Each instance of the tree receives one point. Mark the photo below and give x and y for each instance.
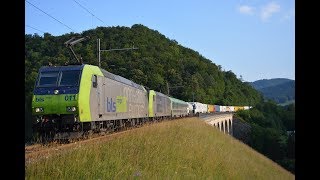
(241, 79)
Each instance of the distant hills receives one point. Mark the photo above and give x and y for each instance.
(281, 90)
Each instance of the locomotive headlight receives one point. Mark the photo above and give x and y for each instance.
(39, 109)
(56, 91)
(71, 108)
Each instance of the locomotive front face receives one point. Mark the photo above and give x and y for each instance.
(56, 91)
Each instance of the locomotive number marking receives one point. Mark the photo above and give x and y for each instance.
(70, 97)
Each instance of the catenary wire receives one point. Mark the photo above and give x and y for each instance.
(50, 16)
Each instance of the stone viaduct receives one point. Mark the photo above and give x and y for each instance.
(222, 121)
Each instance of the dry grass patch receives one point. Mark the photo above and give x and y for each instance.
(181, 149)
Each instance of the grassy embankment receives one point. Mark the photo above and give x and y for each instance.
(181, 149)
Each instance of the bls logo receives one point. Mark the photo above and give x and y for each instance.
(111, 106)
(39, 99)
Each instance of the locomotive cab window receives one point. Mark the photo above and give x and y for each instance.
(69, 78)
(94, 81)
(48, 79)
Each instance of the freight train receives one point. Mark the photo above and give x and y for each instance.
(70, 100)
(73, 100)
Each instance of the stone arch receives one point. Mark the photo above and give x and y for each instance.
(230, 126)
(226, 126)
(222, 127)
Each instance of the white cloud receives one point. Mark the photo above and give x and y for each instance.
(268, 10)
(244, 9)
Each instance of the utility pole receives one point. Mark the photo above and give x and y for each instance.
(99, 50)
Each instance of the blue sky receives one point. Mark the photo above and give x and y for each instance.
(253, 38)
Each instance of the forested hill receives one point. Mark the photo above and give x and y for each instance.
(157, 60)
(281, 90)
(265, 83)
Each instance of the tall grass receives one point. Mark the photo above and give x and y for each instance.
(181, 149)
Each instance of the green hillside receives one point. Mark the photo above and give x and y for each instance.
(158, 61)
(280, 90)
(271, 131)
(264, 83)
(180, 149)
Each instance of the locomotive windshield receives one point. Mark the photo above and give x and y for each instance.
(48, 78)
(56, 78)
(69, 78)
